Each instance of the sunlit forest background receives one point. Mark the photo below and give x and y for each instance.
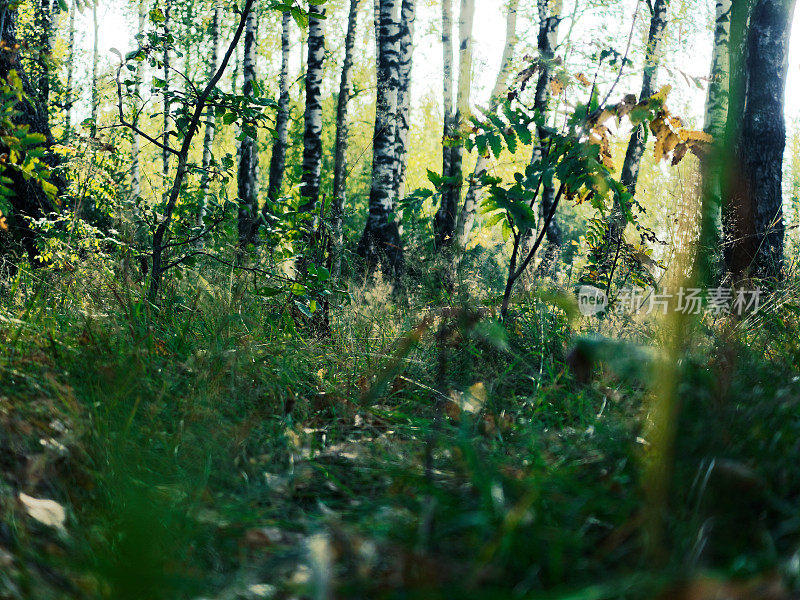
(399, 299)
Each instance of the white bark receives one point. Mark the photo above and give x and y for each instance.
(381, 240)
(342, 130)
(717, 98)
(248, 154)
(473, 198)
(136, 174)
(407, 20)
(312, 135)
(208, 137)
(95, 59)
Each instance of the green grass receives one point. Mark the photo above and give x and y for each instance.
(208, 446)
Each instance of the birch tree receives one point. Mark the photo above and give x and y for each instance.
(136, 173)
(208, 136)
(247, 177)
(277, 164)
(445, 222)
(448, 133)
(381, 239)
(165, 153)
(466, 216)
(719, 80)
(716, 111)
(408, 15)
(69, 94)
(757, 131)
(44, 16)
(342, 131)
(633, 156)
(95, 59)
(549, 21)
(312, 134)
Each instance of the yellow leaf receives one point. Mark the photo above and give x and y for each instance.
(700, 136)
(584, 81)
(478, 391)
(662, 93)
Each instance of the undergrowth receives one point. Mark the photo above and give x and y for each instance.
(210, 448)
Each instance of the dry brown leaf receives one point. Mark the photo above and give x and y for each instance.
(584, 81)
(48, 512)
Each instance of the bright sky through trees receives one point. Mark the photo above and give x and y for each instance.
(489, 35)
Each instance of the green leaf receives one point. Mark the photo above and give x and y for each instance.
(302, 308)
(157, 16)
(496, 144)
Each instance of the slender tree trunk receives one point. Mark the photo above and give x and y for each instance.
(188, 44)
(95, 60)
(237, 66)
(136, 173)
(55, 12)
(44, 17)
(633, 156)
(277, 165)
(342, 130)
(312, 135)
(466, 216)
(70, 70)
(381, 240)
(248, 149)
(448, 134)
(303, 56)
(165, 152)
(445, 221)
(549, 21)
(208, 137)
(162, 233)
(408, 14)
(719, 79)
(753, 201)
(715, 117)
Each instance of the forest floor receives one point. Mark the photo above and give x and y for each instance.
(209, 449)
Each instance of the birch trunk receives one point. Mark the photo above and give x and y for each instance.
(95, 59)
(165, 153)
(277, 165)
(446, 203)
(549, 21)
(754, 196)
(381, 239)
(715, 117)
(408, 14)
(633, 156)
(44, 17)
(446, 215)
(466, 216)
(237, 66)
(717, 98)
(70, 70)
(248, 152)
(208, 136)
(312, 134)
(342, 130)
(136, 173)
